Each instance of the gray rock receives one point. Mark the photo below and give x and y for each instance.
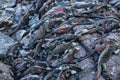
(90, 76)
(88, 72)
(113, 67)
(23, 53)
(86, 65)
(7, 15)
(5, 42)
(27, 40)
(115, 36)
(5, 72)
(6, 3)
(19, 34)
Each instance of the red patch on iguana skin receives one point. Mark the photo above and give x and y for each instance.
(58, 8)
(19, 1)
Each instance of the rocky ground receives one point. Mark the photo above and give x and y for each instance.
(59, 40)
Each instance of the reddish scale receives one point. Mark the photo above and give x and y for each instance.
(62, 29)
(19, 1)
(58, 10)
(100, 48)
(14, 50)
(37, 70)
(63, 77)
(107, 42)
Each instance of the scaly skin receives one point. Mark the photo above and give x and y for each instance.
(104, 57)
